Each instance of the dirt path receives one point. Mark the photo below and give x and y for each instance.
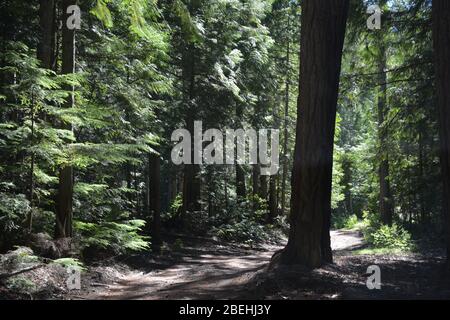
(206, 271)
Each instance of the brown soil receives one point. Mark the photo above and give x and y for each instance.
(206, 269)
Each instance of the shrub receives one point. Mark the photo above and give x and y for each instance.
(21, 285)
(70, 262)
(118, 237)
(393, 237)
(344, 221)
(245, 231)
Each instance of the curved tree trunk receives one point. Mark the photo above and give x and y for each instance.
(322, 37)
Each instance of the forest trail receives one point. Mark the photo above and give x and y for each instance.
(203, 271)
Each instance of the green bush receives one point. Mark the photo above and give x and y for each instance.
(392, 237)
(70, 262)
(344, 221)
(118, 237)
(246, 231)
(21, 285)
(384, 236)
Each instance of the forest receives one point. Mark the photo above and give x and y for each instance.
(224, 149)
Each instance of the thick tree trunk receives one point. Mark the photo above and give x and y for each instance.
(45, 48)
(45, 56)
(385, 201)
(441, 39)
(155, 199)
(64, 197)
(322, 37)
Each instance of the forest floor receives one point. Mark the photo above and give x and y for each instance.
(207, 269)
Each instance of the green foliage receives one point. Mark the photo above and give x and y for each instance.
(344, 222)
(21, 285)
(70, 262)
(145, 68)
(174, 209)
(245, 223)
(13, 210)
(118, 237)
(392, 237)
(178, 245)
(244, 231)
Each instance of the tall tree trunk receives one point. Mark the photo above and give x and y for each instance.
(191, 181)
(273, 205)
(263, 187)
(155, 199)
(286, 117)
(385, 201)
(422, 177)
(45, 56)
(322, 37)
(64, 197)
(32, 165)
(225, 190)
(255, 185)
(441, 39)
(347, 182)
(46, 22)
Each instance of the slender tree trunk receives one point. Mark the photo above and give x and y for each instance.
(155, 199)
(146, 201)
(423, 214)
(32, 164)
(322, 37)
(286, 117)
(241, 190)
(441, 39)
(64, 198)
(347, 182)
(263, 187)
(273, 206)
(225, 191)
(255, 185)
(191, 181)
(385, 201)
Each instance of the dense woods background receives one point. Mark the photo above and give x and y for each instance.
(86, 117)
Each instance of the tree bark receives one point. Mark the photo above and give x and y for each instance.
(46, 44)
(191, 181)
(286, 115)
(322, 36)
(64, 197)
(155, 199)
(263, 187)
(241, 190)
(385, 200)
(441, 40)
(273, 205)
